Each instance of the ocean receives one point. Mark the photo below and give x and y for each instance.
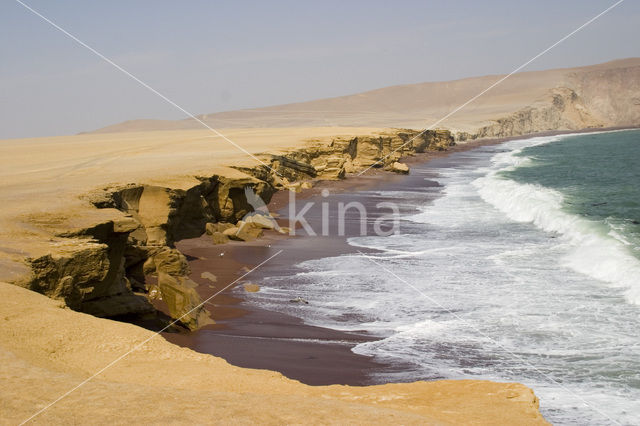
(525, 267)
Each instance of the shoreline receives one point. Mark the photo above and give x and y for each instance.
(312, 355)
(286, 344)
(43, 365)
(103, 245)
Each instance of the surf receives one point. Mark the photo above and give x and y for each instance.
(597, 250)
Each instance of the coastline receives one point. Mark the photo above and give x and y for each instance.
(247, 335)
(209, 387)
(251, 337)
(80, 352)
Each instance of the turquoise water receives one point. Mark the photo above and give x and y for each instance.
(598, 176)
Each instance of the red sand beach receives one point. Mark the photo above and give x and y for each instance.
(249, 336)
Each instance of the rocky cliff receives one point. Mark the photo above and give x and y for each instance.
(560, 109)
(605, 95)
(105, 268)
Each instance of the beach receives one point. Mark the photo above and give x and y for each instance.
(263, 333)
(249, 336)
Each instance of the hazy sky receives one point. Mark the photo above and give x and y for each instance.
(211, 56)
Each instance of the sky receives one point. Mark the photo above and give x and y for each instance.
(210, 56)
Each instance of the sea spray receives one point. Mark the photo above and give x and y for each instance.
(598, 250)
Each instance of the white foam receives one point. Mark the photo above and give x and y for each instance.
(488, 287)
(596, 251)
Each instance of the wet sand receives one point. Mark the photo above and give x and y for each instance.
(248, 336)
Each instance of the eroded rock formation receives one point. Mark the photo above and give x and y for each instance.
(561, 110)
(117, 266)
(88, 271)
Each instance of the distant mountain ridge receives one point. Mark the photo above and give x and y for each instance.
(602, 95)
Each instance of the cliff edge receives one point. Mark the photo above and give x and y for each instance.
(47, 350)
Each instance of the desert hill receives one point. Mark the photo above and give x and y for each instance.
(600, 95)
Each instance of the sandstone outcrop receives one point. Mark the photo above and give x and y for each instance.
(400, 168)
(332, 160)
(184, 303)
(116, 266)
(246, 231)
(216, 231)
(561, 109)
(251, 288)
(171, 270)
(167, 215)
(87, 270)
(213, 227)
(261, 221)
(219, 238)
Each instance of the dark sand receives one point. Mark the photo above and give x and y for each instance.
(248, 336)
